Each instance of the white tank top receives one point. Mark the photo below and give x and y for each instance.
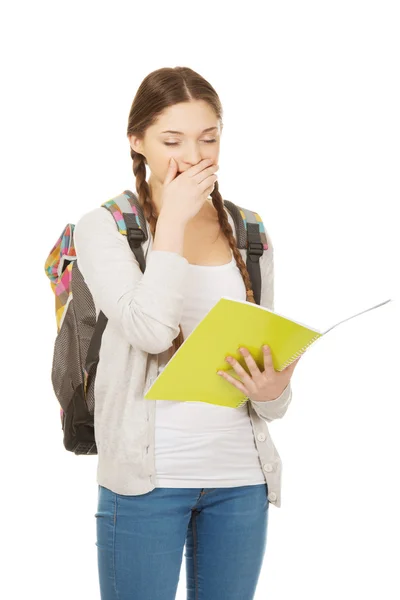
(198, 444)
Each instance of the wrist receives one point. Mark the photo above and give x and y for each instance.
(170, 220)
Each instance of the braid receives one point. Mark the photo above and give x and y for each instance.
(149, 210)
(228, 233)
(143, 190)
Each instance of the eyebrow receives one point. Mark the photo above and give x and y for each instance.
(181, 133)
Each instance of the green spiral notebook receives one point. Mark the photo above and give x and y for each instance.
(191, 373)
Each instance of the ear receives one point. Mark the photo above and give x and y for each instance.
(136, 144)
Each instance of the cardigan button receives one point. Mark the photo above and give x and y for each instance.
(261, 437)
(267, 467)
(272, 496)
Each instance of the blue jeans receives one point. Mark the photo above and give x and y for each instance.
(140, 542)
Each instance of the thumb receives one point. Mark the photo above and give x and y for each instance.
(171, 172)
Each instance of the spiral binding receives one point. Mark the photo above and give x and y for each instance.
(243, 402)
(299, 352)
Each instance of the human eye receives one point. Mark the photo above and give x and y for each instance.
(176, 143)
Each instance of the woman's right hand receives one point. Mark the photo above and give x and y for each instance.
(183, 196)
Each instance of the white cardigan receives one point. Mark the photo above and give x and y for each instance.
(144, 311)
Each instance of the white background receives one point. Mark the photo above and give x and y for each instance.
(311, 100)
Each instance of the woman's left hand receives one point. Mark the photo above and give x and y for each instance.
(259, 386)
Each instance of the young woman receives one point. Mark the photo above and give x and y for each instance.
(175, 475)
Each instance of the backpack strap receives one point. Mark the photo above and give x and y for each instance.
(130, 221)
(250, 234)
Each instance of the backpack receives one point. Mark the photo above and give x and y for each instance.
(79, 333)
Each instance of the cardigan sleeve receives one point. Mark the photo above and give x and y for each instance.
(273, 409)
(147, 306)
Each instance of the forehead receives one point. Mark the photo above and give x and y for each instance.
(188, 118)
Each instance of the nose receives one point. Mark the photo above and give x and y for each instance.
(192, 155)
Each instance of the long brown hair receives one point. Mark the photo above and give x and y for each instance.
(159, 90)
